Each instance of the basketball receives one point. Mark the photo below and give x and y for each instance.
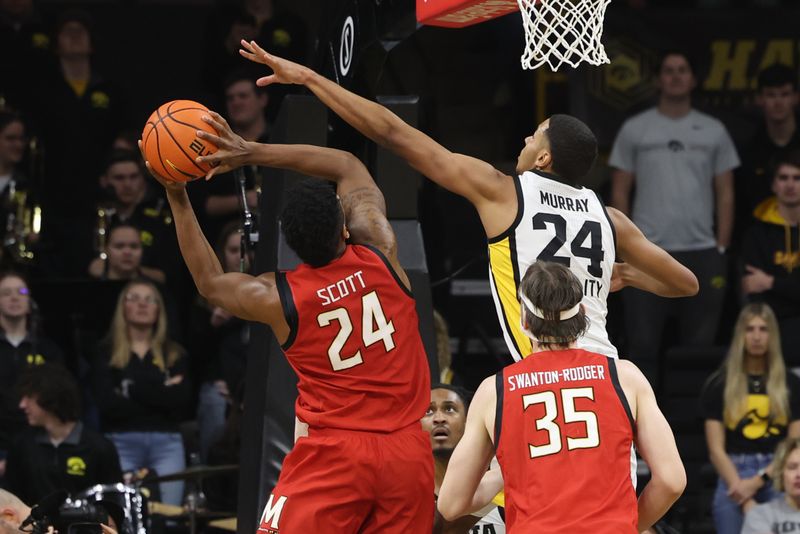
(170, 142)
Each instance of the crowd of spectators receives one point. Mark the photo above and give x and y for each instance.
(84, 226)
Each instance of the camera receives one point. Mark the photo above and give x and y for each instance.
(66, 516)
(80, 517)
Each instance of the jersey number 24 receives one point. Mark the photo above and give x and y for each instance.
(591, 229)
(371, 316)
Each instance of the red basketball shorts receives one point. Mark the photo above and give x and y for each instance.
(341, 481)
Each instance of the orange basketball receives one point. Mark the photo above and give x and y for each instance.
(170, 141)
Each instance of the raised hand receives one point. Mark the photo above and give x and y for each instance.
(284, 71)
(232, 151)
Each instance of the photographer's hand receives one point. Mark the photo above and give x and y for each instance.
(107, 529)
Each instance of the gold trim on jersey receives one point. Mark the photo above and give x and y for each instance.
(500, 499)
(501, 266)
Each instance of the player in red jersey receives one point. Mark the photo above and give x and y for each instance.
(348, 325)
(562, 423)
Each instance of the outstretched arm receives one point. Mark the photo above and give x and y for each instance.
(363, 203)
(490, 191)
(656, 444)
(248, 297)
(649, 267)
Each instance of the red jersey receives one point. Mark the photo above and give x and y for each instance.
(354, 344)
(563, 435)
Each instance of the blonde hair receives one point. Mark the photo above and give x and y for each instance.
(782, 453)
(165, 351)
(733, 368)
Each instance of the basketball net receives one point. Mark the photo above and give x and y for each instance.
(563, 31)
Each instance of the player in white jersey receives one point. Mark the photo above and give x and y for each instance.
(521, 224)
(560, 223)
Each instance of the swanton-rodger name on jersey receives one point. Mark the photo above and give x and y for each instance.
(570, 374)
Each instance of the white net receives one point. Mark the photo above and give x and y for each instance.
(563, 31)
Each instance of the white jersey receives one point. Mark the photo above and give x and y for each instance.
(560, 223)
(491, 523)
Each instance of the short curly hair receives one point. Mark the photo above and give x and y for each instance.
(573, 147)
(54, 389)
(312, 221)
(464, 394)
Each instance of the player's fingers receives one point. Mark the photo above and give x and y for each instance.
(258, 50)
(213, 121)
(266, 80)
(211, 159)
(215, 139)
(252, 51)
(249, 55)
(219, 118)
(166, 182)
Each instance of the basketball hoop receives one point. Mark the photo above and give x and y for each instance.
(563, 31)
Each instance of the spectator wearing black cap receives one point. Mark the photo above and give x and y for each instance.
(58, 452)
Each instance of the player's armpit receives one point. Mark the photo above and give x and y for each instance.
(368, 226)
(365, 217)
(248, 297)
(367, 196)
(653, 269)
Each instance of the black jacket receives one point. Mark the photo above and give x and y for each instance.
(772, 245)
(35, 467)
(135, 399)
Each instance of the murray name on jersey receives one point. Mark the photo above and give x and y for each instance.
(564, 203)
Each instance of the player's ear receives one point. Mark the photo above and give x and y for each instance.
(544, 159)
(345, 232)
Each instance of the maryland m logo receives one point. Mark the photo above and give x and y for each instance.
(271, 517)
